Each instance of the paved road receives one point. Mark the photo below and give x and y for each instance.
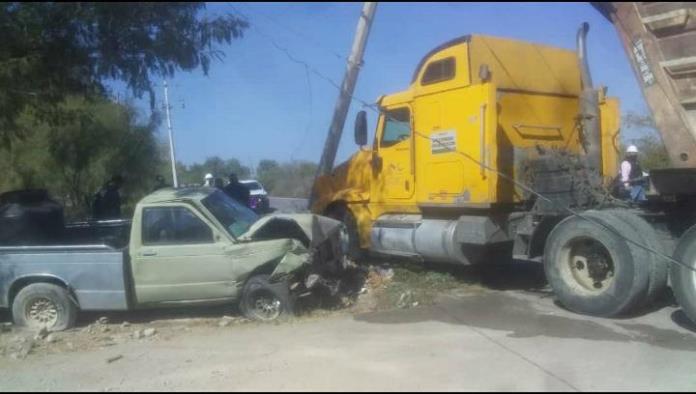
(495, 340)
(288, 205)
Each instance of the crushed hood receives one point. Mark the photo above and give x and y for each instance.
(308, 228)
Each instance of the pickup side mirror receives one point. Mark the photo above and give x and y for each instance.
(361, 128)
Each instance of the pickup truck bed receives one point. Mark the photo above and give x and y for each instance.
(96, 273)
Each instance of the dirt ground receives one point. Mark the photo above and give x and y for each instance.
(383, 286)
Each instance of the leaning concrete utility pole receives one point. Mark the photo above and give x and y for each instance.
(171, 136)
(347, 86)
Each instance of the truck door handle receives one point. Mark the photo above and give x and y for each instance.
(149, 253)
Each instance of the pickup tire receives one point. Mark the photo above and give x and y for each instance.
(42, 305)
(265, 301)
(594, 271)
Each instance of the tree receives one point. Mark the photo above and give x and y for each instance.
(268, 173)
(292, 179)
(75, 159)
(193, 174)
(50, 51)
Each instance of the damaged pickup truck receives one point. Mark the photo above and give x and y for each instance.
(183, 247)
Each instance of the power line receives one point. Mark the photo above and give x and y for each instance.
(298, 34)
(311, 114)
(521, 185)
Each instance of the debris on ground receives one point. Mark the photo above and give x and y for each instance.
(114, 358)
(103, 320)
(41, 334)
(406, 285)
(148, 332)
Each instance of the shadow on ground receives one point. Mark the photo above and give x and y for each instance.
(519, 317)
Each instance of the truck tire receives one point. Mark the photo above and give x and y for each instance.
(265, 301)
(683, 279)
(342, 213)
(44, 305)
(659, 267)
(591, 269)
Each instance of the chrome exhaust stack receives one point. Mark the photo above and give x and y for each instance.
(589, 107)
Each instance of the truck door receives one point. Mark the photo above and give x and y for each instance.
(457, 133)
(179, 257)
(395, 149)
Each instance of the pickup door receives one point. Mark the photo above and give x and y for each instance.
(177, 255)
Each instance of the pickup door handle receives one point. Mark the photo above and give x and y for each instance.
(149, 253)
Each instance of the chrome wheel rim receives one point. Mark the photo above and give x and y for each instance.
(41, 312)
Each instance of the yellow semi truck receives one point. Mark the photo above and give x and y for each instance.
(483, 156)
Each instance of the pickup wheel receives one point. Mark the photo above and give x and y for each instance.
(265, 301)
(594, 271)
(44, 305)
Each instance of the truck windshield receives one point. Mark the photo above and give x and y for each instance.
(234, 216)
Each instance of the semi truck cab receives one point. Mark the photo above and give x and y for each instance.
(429, 185)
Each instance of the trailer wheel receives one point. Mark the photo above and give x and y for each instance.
(265, 301)
(591, 269)
(42, 305)
(659, 269)
(342, 213)
(683, 279)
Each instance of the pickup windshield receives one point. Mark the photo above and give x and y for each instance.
(234, 216)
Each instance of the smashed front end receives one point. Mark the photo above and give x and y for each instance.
(316, 257)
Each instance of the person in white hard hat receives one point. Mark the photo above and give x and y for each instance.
(209, 178)
(632, 176)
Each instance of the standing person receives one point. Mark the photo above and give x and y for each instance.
(159, 183)
(107, 201)
(219, 183)
(632, 177)
(208, 181)
(236, 190)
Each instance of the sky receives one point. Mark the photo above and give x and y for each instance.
(258, 103)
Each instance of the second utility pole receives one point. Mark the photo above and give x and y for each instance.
(171, 136)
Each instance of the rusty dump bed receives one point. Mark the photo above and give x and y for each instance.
(660, 41)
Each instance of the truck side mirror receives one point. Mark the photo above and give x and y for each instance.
(361, 128)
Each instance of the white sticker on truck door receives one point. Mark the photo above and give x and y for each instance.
(443, 142)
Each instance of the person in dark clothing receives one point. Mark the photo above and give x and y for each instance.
(159, 183)
(107, 201)
(219, 183)
(236, 190)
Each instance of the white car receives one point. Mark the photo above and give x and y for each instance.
(258, 196)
